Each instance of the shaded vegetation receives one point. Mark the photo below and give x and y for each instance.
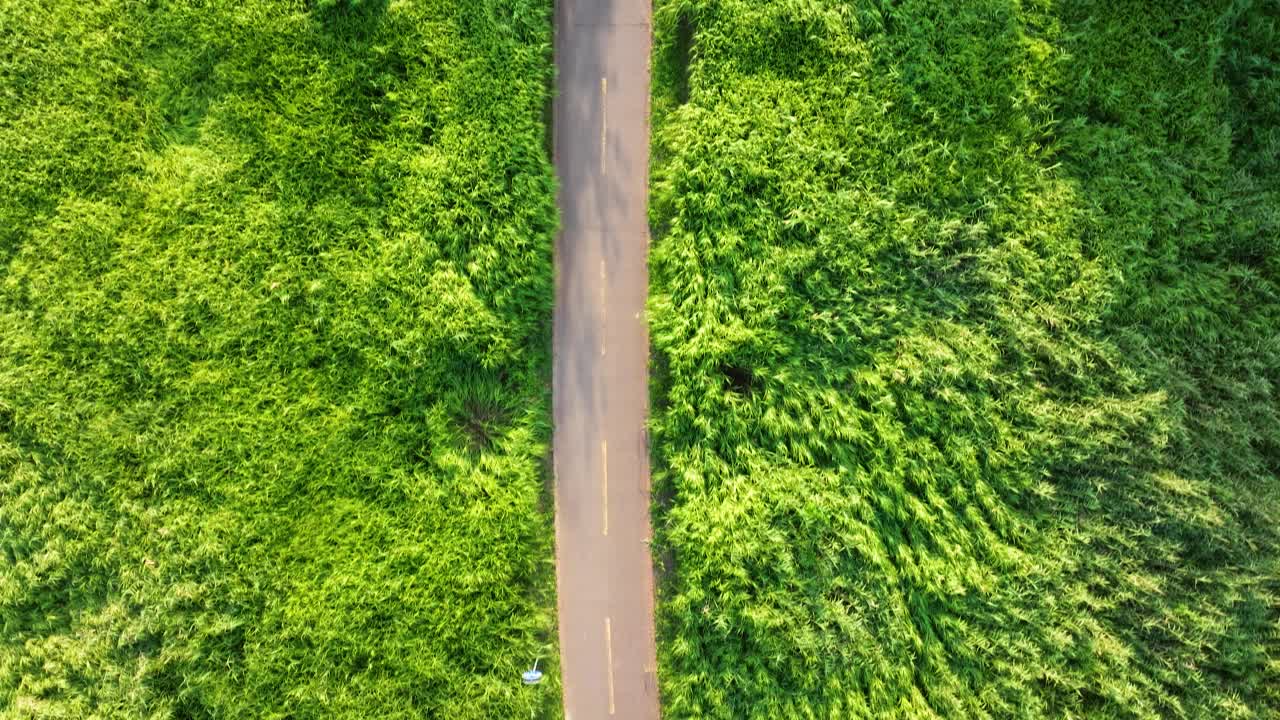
(967, 319)
(275, 288)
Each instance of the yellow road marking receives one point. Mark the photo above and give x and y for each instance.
(604, 483)
(604, 123)
(608, 645)
(604, 310)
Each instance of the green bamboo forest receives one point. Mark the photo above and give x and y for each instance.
(966, 327)
(275, 301)
(965, 372)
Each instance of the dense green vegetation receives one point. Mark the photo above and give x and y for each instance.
(275, 288)
(967, 326)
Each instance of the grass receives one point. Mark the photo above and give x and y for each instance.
(275, 292)
(967, 333)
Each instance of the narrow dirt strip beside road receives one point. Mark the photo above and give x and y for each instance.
(604, 568)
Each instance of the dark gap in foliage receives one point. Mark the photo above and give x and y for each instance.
(482, 421)
(738, 380)
(6, 419)
(683, 50)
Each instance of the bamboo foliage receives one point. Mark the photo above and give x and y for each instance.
(275, 290)
(965, 318)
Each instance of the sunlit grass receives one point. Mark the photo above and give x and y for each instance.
(965, 317)
(275, 289)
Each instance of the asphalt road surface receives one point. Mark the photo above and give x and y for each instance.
(604, 567)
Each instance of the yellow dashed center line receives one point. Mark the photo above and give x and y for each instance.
(604, 485)
(604, 124)
(604, 309)
(608, 646)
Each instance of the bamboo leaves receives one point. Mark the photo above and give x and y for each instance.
(953, 397)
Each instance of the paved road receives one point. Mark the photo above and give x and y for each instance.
(604, 568)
